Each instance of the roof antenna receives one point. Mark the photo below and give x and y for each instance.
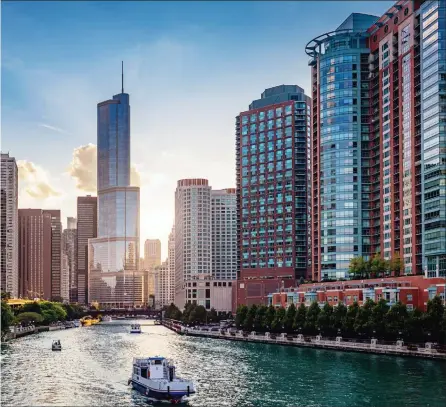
(122, 76)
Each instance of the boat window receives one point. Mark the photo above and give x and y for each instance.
(143, 372)
(157, 362)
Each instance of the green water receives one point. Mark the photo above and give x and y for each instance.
(93, 368)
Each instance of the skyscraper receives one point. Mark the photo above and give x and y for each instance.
(35, 253)
(272, 170)
(56, 254)
(9, 225)
(87, 227)
(113, 257)
(171, 266)
(152, 253)
(192, 237)
(340, 200)
(196, 279)
(224, 234)
(378, 153)
(69, 250)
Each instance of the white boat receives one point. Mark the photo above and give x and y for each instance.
(107, 318)
(155, 377)
(56, 345)
(77, 323)
(135, 329)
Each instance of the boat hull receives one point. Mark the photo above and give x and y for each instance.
(159, 394)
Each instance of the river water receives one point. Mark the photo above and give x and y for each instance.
(96, 362)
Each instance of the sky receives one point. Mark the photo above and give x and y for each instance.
(190, 68)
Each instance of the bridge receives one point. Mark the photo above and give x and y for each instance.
(135, 312)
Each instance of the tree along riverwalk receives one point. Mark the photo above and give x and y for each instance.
(399, 348)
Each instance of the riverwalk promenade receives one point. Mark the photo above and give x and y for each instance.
(427, 350)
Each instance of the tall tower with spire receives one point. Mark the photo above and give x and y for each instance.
(114, 279)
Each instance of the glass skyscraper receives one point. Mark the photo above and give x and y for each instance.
(114, 277)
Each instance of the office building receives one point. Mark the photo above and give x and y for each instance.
(162, 285)
(113, 257)
(65, 278)
(171, 266)
(87, 226)
(272, 170)
(69, 250)
(34, 257)
(378, 141)
(56, 254)
(152, 253)
(9, 269)
(224, 234)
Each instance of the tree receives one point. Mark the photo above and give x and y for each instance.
(300, 317)
(5, 295)
(279, 319)
(324, 319)
(260, 318)
(6, 318)
(240, 316)
(311, 320)
(434, 318)
(200, 314)
(248, 324)
(338, 318)
(269, 318)
(363, 319)
(32, 307)
(415, 325)
(396, 321)
(358, 267)
(187, 310)
(379, 312)
(212, 315)
(301, 281)
(350, 318)
(289, 318)
(28, 317)
(396, 264)
(378, 266)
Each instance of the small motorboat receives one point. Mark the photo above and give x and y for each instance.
(155, 377)
(107, 318)
(135, 329)
(56, 345)
(76, 323)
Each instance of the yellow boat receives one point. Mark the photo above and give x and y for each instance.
(88, 321)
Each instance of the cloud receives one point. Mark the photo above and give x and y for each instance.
(83, 169)
(33, 181)
(41, 191)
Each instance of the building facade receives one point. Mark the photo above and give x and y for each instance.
(113, 257)
(171, 266)
(378, 141)
(35, 259)
(71, 223)
(69, 250)
(56, 254)
(432, 39)
(413, 291)
(9, 269)
(224, 234)
(152, 253)
(162, 286)
(192, 237)
(272, 170)
(340, 200)
(87, 227)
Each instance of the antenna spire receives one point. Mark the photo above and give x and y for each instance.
(122, 76)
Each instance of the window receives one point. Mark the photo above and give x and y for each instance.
(409, 297)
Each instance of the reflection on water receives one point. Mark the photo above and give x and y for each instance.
(96, 362)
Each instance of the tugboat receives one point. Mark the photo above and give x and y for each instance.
(56, 345)
(135, 329)
(155, 377)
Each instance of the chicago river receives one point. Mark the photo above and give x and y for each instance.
(96, 362)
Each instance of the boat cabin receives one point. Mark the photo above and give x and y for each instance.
(153, 368)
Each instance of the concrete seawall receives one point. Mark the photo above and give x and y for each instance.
(398, 349)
